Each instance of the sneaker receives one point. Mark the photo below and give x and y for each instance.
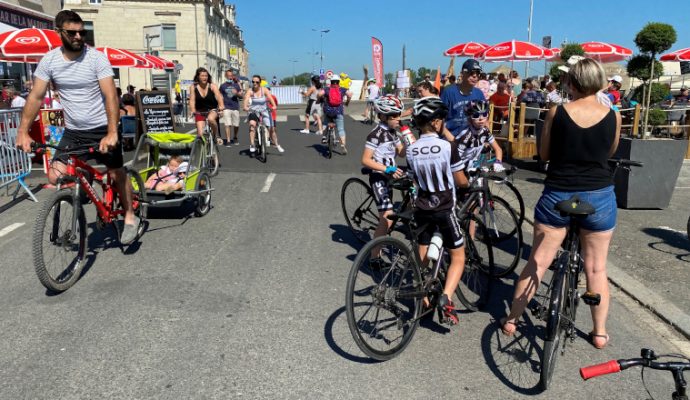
(319, 133)
(280, 148)
(219, 141)
(323, 140)
(305, 131)
(448, 310)
(129, 232)
(252, 149)
(236, 141)
(228, 143)
(343, 150)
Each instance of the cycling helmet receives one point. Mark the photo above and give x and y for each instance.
(477, 107)
(429, 108)
(335, 78)
(388, 105)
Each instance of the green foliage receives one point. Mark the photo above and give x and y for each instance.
(554, 72)
(659, 92)
(640, 67)
(656, 117)
(423, 71)
(389, 82)
(571, 49)
(301, 79)
(655, 38)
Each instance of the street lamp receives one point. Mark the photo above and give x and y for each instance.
(293, 70)
(321, 32)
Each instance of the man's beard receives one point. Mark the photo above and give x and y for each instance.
(76, 46)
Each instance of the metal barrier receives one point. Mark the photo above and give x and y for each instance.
(288, 94)
(15, 165)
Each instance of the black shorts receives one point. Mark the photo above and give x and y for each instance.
(383, 195)
(92, 137)
(444, 221)
(309, 104)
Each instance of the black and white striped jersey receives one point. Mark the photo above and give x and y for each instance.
(432, 161)
(384, 142)
(471, 144)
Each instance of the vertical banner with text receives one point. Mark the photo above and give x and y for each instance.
(377, 60)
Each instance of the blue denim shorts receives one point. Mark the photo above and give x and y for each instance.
(603, 201)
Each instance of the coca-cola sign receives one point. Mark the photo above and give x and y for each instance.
(154, 99)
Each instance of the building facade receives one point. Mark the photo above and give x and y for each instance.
(192, 33)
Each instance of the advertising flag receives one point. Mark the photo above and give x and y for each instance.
(377, 60)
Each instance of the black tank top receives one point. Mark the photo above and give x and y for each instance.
(206, 103)
(579, 156)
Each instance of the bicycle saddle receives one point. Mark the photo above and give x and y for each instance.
(574, 207)
(405, 216)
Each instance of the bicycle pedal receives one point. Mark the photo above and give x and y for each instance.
(591, 299)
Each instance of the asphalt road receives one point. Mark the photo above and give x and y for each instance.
(248, 302)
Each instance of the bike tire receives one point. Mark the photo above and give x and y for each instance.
(203, 200)
(394, 295)
(359, 209)
(214, 159)
(555, 330)
(329, 143)
(506, 236)
(46, 252)
(507, 191)
(474, 288)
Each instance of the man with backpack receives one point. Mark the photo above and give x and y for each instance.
(333, 109)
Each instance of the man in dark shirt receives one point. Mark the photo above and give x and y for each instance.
(232, 92)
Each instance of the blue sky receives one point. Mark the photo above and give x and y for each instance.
(276, 31)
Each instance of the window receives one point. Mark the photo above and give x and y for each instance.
(169, 36)
(88, 26)
(95, 1)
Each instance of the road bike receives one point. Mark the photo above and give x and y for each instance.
(384, 300)
(558, 308)
(648, 359)
(211, 160)
(503, 187)
(59, 242)
(330, 136)
(359, 206)
(261, 139)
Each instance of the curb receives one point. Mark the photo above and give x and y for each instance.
(659, 306)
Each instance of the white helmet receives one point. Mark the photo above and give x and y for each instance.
(388, 105)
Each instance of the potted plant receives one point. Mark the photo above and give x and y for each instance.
(652, 185)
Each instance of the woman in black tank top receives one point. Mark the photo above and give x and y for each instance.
(204, 97)
(577, 140)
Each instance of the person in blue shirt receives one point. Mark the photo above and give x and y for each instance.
(456, 97)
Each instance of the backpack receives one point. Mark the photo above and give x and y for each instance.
(334, 97)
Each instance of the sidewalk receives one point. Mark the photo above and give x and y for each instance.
(649, 257)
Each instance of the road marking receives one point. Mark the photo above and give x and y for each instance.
(269, 181)
(682, 187)
(281, 118)
(668, 228)
(10, 228)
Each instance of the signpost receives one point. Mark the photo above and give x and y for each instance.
(154, 110)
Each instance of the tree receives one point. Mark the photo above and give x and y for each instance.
(554, 72)
(654, 38)
(389, 82)
(658, 93)
(301, 79)
(639, 67)
(422, 72)
(571, 49)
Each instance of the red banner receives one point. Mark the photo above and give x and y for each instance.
(377, 60)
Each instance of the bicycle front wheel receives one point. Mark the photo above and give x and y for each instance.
(59, 248)
(359, 209)
(506, 235)
(555, 330)
(507, 191)
(383, 301)
(474, 288)
(213, 158)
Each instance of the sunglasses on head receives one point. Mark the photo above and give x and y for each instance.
(479, 115)
(73, 33)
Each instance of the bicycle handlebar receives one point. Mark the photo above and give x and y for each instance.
(609, 367)
(647, 360)
(625, 163)
(66, 150)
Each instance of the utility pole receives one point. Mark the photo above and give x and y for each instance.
(293, 70)
(321, 32)
(529, 33)
(403, 68)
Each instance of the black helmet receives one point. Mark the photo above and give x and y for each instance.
(429, 108)
(477, 107)
(471, 65)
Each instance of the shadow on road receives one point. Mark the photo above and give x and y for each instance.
(670, 238)
(19, 198)
(338, 317)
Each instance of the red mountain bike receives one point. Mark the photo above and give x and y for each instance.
(59, 237)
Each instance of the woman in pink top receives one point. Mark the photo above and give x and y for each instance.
(484, 85)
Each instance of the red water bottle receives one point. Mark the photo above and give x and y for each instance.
(406, 135)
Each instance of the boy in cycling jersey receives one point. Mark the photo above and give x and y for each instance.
(380, 150)
(477, 139)
(435, 165)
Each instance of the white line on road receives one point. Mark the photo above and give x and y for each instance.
(682, 187)
(668, 228)
(10, 228)
(269, 181)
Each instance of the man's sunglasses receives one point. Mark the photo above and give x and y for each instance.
(73, 33)
(478, 115)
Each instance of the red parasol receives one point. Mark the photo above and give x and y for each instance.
(29, 43)
(514, 50)
(555, 53)
(605, 52)
(124, 58)
(678, 55)
(158, 62)
(469, 49)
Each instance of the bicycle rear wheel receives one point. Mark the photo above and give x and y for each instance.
(507, 191)
(330, 144)
(58, 250)
(383, 303)
(555, 330)
(359, 208)
(506, 236)
(474, 289)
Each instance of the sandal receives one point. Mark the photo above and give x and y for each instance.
(504, 321)
(605, 336)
